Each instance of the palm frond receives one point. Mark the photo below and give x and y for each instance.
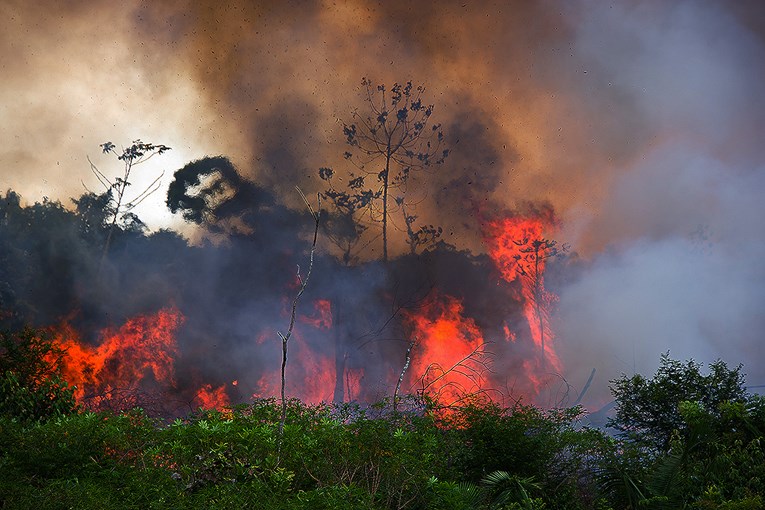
(503, 488)
(662, 483)
(614, 482)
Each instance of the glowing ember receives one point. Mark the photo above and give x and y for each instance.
(446, 360)
(143, 346)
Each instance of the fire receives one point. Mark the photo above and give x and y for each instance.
(208, 397)
(322, 318)
(311, 372)
(510, 336)
(446, 359)
(317, 371)
(507, 241)
(519, 250)
(144, 346)
(352, 383)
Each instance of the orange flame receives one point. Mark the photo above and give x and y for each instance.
(448, 346)
(517, 246)
(144, 345)
(208, 397)
(311, 373)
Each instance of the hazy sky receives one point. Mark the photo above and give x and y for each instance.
(640, 121)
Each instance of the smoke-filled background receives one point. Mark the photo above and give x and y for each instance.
(640, 123)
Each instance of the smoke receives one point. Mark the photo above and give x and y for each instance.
(638, 122)
(675, 239)
(683, 272)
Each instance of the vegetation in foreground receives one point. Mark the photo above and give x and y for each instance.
(683, 440)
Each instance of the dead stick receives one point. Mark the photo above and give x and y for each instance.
(285, 338)
(403, 371)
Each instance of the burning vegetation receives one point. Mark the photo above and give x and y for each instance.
(446, 322)
(169, 326)
(150, 320)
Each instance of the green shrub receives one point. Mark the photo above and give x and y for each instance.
(347, 456)
(31, 387)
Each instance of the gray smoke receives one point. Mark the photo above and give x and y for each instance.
(676, 239)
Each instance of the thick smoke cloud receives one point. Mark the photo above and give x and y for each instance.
(676, 236)
(682, 273)
(640, 123)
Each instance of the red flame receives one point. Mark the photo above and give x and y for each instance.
(352, 383)
(318, 373)
(310, 375)
(446, 358)
(311, 372)
(143, 346)
(322, 319)
(208, 397)
(519, 250)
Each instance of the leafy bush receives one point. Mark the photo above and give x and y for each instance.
(689, 439)
(347, 456)
(648, 410)
(31, 386)
(526, 443)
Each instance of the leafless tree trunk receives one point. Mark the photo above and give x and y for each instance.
(286, 337)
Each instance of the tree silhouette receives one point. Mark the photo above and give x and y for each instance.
(345, 226)
(392, 140)
(423, 236)
(531, 261)
(119, 206)
(211, 192)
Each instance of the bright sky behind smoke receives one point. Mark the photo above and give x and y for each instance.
(640, 122)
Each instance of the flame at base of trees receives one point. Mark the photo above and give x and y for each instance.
(448, 359)
(210, 397)
(127, 366)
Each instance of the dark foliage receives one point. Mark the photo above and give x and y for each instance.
(210, 192)
(648, 411)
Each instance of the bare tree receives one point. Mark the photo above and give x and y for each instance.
(286, 337)
(407, 360)
(393, 139)
(120, 206)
